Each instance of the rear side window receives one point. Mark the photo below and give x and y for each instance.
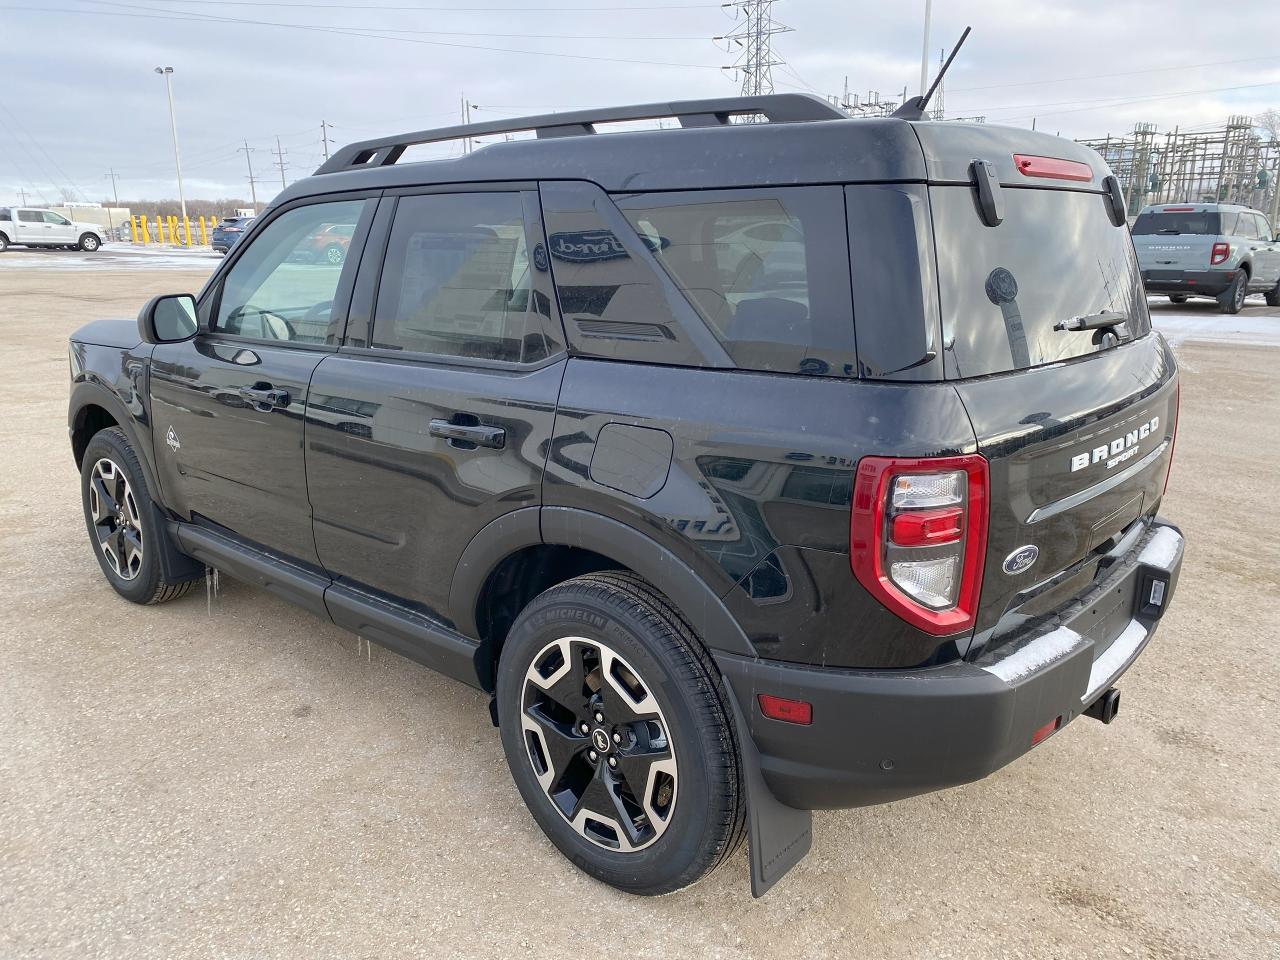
(4, 214)
(766, 270)
(1172, 223)
(456, 280)
(1056, 256)
(31, 216)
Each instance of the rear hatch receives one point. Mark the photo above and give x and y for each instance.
(1174, 240)
(1077, 425)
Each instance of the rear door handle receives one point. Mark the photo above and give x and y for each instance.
(264, 398)
(459, 434)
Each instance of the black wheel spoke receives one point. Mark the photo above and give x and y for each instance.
(131, 547)
(106, 502)
(560, 738)
(634, 767)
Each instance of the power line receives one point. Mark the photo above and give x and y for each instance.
(189, 17)
(1103, 102)
(594, 8)
(1103, 76)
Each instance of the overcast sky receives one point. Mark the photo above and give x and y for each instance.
(79, 95)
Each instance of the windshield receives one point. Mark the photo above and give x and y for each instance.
(1168, 223)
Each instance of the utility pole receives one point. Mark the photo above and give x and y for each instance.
(466, 122)
(23, 194)
(324, 138)
(167, 73)
(253, 184)
(754, 36)
(924, 52)
(115, 193)
(280, 152)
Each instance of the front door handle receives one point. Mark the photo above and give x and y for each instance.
(467, 435)
(264, 398)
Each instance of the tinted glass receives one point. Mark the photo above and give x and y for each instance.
(31, 216)
(456, 280)
(767, 270)
(283, 285)
(4, 214)
(1172, 224)
(1055, 256)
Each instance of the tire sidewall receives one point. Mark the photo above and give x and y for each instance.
(89, 243)
(112, 445)
(678, 856)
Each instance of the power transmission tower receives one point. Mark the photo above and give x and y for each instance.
(754, 37)
(280, 154)
(324, 137)
(253, 184)
(938, 108)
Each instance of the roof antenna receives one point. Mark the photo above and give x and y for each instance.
(913, 109)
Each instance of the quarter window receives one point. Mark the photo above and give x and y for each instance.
(456, 280)
(284, 284)
(767, 270)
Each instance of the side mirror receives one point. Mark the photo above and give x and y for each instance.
(168, 318)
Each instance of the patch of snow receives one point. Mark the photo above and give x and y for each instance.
(1162, 549)
(1117, 655)
(1036, 654)
(1252, 330)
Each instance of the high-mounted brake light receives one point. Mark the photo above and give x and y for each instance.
(1219, 254)
(1052, 167)
(1177, 209)
(918, 536)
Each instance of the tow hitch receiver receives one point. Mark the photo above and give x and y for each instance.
(1105, 707)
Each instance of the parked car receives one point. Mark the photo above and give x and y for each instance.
(1219, 250)
(33, 227)
(328, 245)
(228, 231)
(758, 468)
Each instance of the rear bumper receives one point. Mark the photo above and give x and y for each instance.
(879, 735)
(1210, 283)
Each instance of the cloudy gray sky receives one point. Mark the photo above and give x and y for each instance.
(79, 95)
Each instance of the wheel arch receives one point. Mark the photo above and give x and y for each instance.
(92, 406)
(530, 550)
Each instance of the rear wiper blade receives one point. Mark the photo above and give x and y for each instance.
(1169, 231)
(1093, 321)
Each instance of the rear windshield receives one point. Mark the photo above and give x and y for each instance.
(1173, 223)
(1056, 256)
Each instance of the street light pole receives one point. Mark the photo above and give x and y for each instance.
(167, 73)
(924, 53)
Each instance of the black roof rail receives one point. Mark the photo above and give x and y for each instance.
(776, 108)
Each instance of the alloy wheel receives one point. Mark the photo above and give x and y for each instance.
(1242, 291)
(117, 522)
(599, 744)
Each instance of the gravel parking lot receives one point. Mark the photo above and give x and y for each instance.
(245, 783)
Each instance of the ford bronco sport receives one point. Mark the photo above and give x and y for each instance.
(750, 468)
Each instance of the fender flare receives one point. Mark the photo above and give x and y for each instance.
(571, 527)
(91, 393)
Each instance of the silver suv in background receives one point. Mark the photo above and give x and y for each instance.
(1219, 250)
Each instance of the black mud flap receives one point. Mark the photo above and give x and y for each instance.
(778, 836)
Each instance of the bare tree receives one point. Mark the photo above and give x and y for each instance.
(1269, 122)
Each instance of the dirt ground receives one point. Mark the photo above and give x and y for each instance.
(243, 784)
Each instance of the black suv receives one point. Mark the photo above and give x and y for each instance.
(751, 468)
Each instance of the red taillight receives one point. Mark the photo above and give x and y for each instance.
(1176, 209)
(921, 527)
(788, 711)
(918, 530)
(1052, 168)
(1219, 254)
(1045, 732)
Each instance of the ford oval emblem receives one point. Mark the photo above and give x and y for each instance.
(1021, 559)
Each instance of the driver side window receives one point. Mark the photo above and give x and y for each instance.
(283, 285)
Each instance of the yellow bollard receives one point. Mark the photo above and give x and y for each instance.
(146, 230)
(173, 230)
(204, 237)
(186, 231)
(133, 229)
(160, 225)
(213, 223)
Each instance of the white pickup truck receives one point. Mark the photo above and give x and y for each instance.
(32, 227)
